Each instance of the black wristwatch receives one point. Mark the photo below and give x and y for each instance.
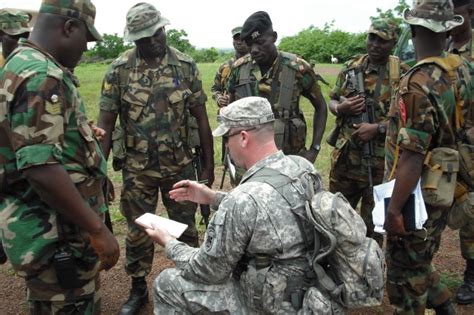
(316, 147)
(381, 128)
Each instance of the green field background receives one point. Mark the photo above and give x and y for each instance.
(91, 75)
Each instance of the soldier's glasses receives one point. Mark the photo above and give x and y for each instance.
(226, 137)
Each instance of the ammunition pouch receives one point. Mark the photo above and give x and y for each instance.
(243, 90)
(192, 132)
(290, 134)
(119, 150)
(265, 289)
(439, 177)
(462, 212)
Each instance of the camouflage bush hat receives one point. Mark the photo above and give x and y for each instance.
(386, 29)
(255, 25)
(436, 15)
(83, 10)
(246, 112)
(143, 20)
(236, 31)
(14, 22)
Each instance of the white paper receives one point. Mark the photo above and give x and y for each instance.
(385, 190)
(175, 228)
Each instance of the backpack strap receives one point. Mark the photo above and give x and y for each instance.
(394, 71)
(287, 85)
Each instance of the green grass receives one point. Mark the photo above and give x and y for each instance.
(91, 75)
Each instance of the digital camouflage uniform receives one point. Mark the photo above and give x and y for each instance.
(349, 174)
(48, 125)
(466, 232)
(290, 125)
(252, 221)
(421, 118)
(153, 104)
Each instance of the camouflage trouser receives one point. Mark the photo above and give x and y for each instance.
(466, 237)
(413, 283)
(356, 191)
(86, 306)
(139, 196)
(172, 294)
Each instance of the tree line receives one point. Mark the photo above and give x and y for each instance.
(314, 44)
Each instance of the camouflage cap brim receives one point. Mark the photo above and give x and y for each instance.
(94, 35)
(380, 34)
(434, 25)
(221, 130)
(134, 36)
(17, 31)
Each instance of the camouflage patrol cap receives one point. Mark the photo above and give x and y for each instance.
(143, 20)
(236, 31)
(255, 25)
(83, 10)
(437, 16)
(386, 29)
(14, 22)
(246, 112)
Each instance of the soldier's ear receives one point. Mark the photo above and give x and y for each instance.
(275, 36)
(68, 27)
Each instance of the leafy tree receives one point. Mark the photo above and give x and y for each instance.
(395, 13)
(205, 55)
(110, 47)
(178, 40)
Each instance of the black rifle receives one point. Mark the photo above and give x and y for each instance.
(198, 162)
(228, 168)
(108, 187)
(356, 80)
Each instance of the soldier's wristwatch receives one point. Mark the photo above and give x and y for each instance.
(316, 147)
(381, 128)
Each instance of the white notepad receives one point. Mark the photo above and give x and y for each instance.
(175, 228)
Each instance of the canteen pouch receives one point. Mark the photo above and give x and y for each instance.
(462, 212)
(118, 148)
(439, 177)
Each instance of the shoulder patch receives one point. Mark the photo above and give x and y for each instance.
(242, 60)
(123, 58)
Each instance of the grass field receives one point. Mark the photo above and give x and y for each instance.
(91, 75)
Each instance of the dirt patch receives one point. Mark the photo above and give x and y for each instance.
(116, 283)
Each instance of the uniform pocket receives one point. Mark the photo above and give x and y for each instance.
(93, 155)
(213, 241)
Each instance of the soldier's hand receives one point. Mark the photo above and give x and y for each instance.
(223, 100)
(310, 155)
(188, 190)
(159, 235)
(394, 224)
(106, 247)
(98, 132)
(364, 132)
(354, 105)
(110, 191)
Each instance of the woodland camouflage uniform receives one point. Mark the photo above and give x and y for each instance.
(349, 174)
(153, 105)
(48, 126)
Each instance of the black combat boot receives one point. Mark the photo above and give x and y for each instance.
(3, 256)
(138, 297)
(465, 294)
(447, 308)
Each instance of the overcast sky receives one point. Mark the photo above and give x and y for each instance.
(208, 23)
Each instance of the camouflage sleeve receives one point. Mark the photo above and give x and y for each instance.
(198, 97)
(417, 116)
(337, 90)
(110, 93)
(224, 244)
(37, 122)
(233, 80)
(217, 88)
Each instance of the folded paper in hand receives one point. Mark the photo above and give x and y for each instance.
(175, 228)
(383, 192)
